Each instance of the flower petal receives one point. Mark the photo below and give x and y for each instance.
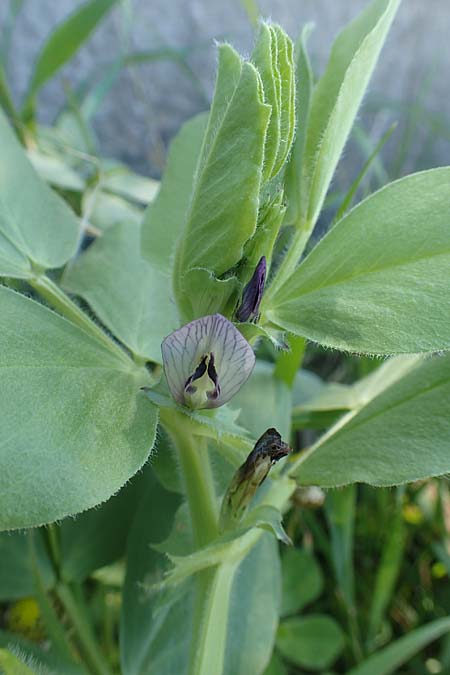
(184, 349)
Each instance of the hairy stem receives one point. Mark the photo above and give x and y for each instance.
(214, 583)
(196, 475)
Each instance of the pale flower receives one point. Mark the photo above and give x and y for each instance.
(206, 362)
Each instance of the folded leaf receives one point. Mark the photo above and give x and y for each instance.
(294, 177)
(224, 207)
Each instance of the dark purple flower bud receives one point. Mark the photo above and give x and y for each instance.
(248, 310)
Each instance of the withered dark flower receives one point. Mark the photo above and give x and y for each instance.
(248, 310)
(206, 362)
(268, 450)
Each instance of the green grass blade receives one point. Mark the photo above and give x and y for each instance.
(62, 44)
(388, 660)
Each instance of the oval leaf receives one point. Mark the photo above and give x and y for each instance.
(313, 642)
(378, 282)
(75, 427)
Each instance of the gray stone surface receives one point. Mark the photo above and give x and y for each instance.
(149, 102)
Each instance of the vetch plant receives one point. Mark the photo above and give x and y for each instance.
(164, 334)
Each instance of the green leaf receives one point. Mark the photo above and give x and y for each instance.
(142, 621)
(264, 401)
(264, 57)
(323, 405)
(377, 282)
(75, 426)
(102, 210)
(119, 180)
(270, 218)
(125, 291)
(273, 57)
(219, 424)
(165, 216)
(285, 64)
(311, 395)
(6, 100)
(294, 177)
(54, 170)
(253, 614)
(11, 665)
(288, 363)
(388, 660)
(312, 642)
(232, 546)
(338, 95)
(340, 513)
(224, 207)
(387, 572)
(36, 226)
(401, 434)
(350, 196)
(16, 578)
(98, 537)
(276, 666)
(208, 295)
(302, 580)
(48, 661)
(64, 42)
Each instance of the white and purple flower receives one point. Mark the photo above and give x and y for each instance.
(206, 362)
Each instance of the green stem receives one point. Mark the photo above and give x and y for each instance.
(211, 619)
(84, 632)
(214, 583)
(57, 299)
(289, 262)
(213, 589)
(196, 474)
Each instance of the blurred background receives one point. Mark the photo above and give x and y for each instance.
(153, 64)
